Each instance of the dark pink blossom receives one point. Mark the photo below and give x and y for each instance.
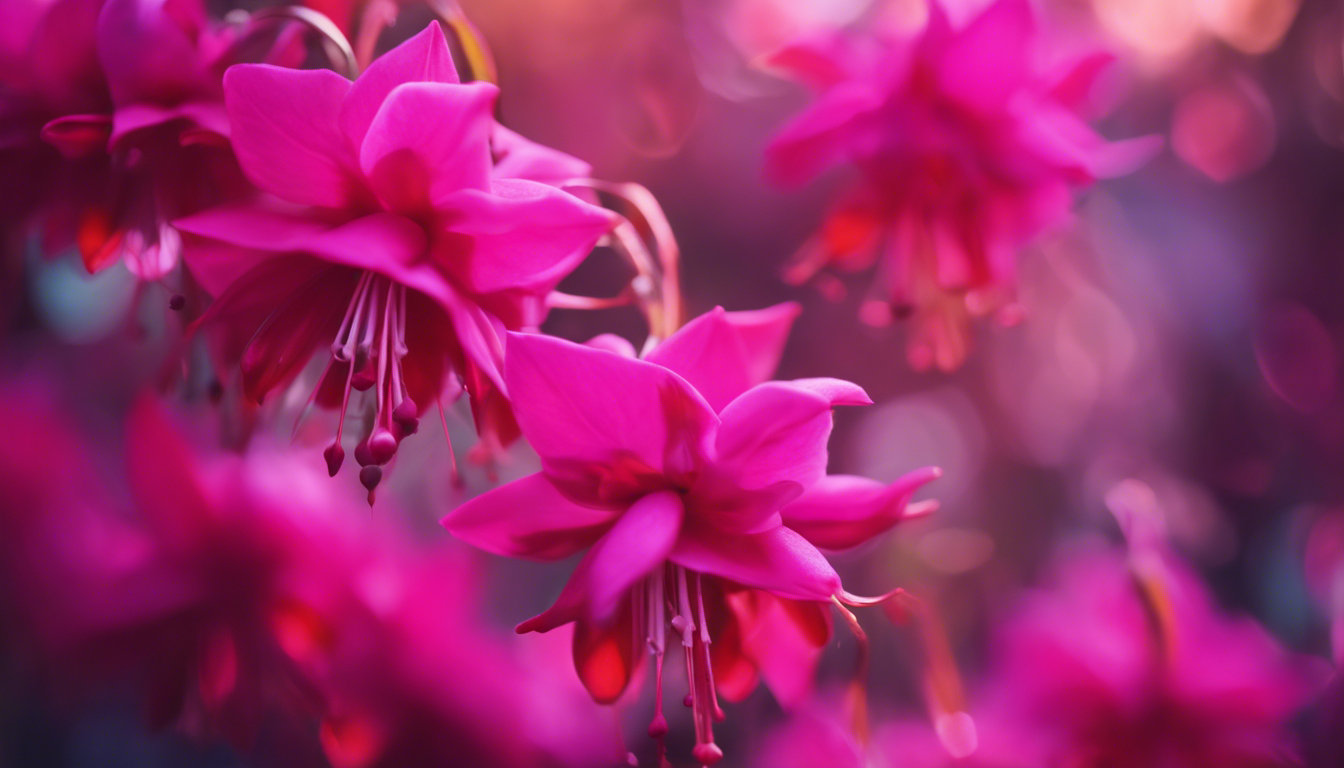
(388, 236)
(966, 152)
(690, 483)
(115, 110)
(1129, 663)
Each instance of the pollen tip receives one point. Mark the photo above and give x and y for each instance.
(362, 453)
(382, 446)
(707, 754)
(658, 726)
(405, 415)
(370, 477)
(177, 302)
(334, 455)
(688, 701)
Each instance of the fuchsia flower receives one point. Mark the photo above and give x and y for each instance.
(115, 107)
(965, 152)
(701, 495)
(413, 677)
(1130, 665)
(390, 239)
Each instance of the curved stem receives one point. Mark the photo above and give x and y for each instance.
(657, 284)
(331, 35)
(858, 685)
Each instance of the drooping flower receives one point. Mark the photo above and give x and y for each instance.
(700, 494)
(965, 152)
(115, 110)
(1126, 662)
(388, 237)
(414, 677)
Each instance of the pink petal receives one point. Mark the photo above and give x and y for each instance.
(480, 333)
(605, 657)
(528, 518)
(382, 242)
(819, 62)
(285, 134)
(775, 433)
(163, 475)
(603, 423)
(1075, 85)
(779, 561)
(990, 59)
(610, 342)
(836, 391)
(521, 235)
(424, 58)
(429, 140)
(207, 116)
(146, 53)
(819, 137)
(638, 542)
(78, 136)
(843, 511)
(785, 641)
(519, 158)
(1119, 158)
(723, 354)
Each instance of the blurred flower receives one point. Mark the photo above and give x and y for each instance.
(1127, 663)
(697, 490)
(390, 236)
(115, 111)
(414, 678)
(966, 154)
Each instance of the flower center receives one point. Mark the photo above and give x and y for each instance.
(370, 345)
(673, 598)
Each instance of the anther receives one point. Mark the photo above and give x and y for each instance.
(334, 455)
(362, 453)
(370, 477)
(382, 446)
(405, 416)
(177, 302)
(707, 754)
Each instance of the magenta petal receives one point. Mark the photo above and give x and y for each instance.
(843, 511)
(523, 234)
(210, 116)
(784, 647)
(480, 333)
(424, 58)
(820, 61)
(819, 137)
(528, 518)
(78, 136)
(1118, 158)
(146, 52)
(248, 225)
(635, 545)
(429, 140)
(1075, 85)
(585, 410)
(285, 134)
(836, 391)
(610, 342)
(779, 561)
(517, 157)
(723, 354)
(163, 475)
(990, 59)
(773, 433)
(382, 242)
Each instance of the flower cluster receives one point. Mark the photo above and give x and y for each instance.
(347, 237)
